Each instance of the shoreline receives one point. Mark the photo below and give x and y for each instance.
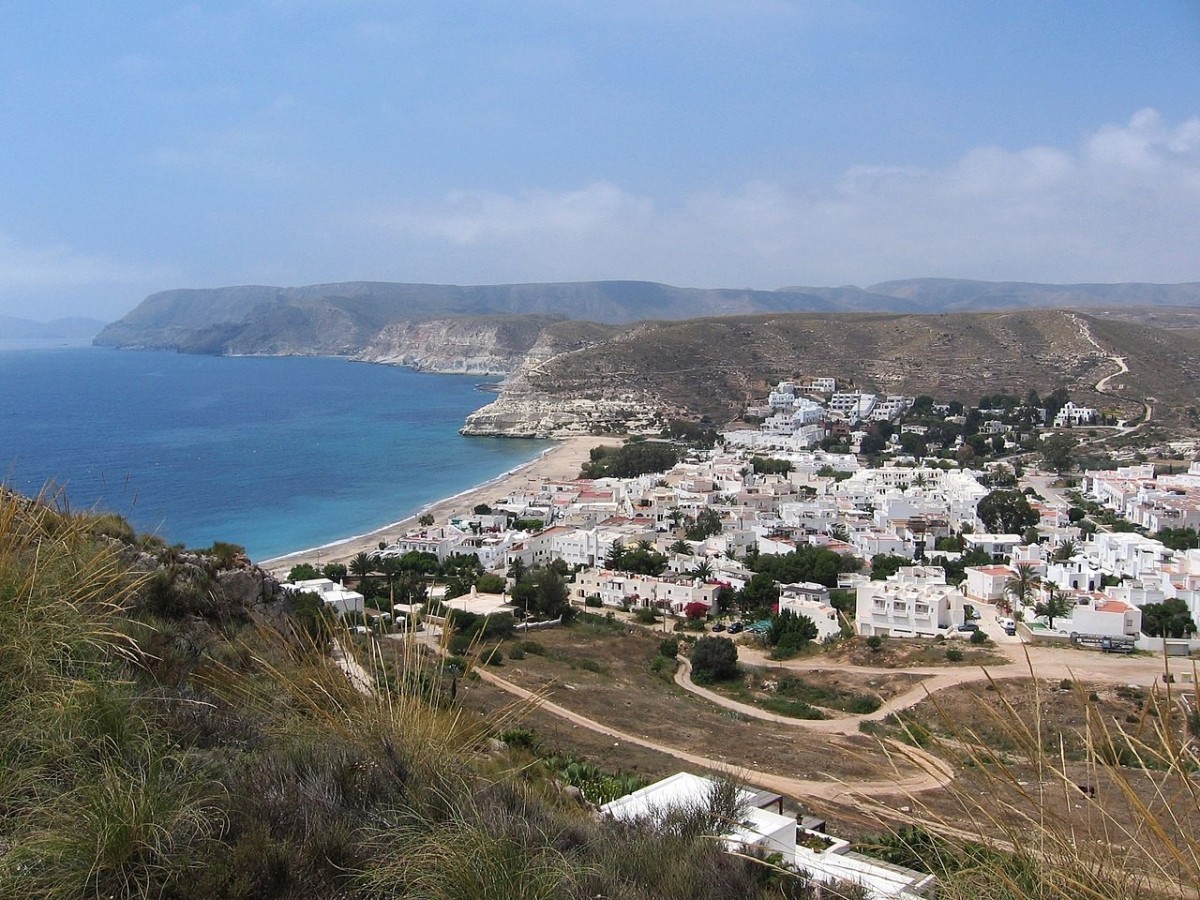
(560, 462)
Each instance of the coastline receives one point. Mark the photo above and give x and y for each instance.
(558, 463)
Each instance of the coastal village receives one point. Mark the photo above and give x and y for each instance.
(908, 522)
(771, 490)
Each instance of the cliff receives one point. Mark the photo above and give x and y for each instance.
(476, 345)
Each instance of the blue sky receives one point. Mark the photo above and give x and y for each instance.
(739, 143)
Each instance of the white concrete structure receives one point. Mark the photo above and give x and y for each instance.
(770, 831)
(998, 546)
(1126, 554)
(812, 600)
(761, 828)
(915, 602)
(335, 596)
(645, 591)
(1070, 414)
(1102, 615)
(986, 583)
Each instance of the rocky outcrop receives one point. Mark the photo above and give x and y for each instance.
(535, 415)
(474, 345)
(533, 404)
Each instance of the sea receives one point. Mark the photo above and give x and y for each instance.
(277, 454)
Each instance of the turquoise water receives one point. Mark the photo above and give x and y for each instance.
(276, 454)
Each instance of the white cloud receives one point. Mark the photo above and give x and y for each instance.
(1123, 205)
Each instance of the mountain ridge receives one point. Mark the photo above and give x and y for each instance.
(343, 318)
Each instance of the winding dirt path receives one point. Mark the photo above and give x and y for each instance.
(932, 772)
(1102, 387)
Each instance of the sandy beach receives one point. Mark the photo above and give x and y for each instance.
(560, 463)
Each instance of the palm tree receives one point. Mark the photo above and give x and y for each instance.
(389, 567)
(1056, 605)
(361, 566)
(1065, 551)
(703, 571)
(1022, 583)
(682, 548)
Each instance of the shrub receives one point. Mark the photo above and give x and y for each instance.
(669, 648)
(645, 616)
(516, 653)
(492, 657)
(954, 655)
(979, 637)
(874, 642)
(593, 601)
(714, 659)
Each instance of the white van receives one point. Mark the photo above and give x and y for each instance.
(1009, 626)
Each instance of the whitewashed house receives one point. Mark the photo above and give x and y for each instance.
(915, 602)
(334, 596)
(812, 600)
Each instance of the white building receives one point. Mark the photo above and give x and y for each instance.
(986, 583)
(1070, 414)
(1102, 615)
(644, 591)
(812, 600)
(336, 597)
(764, 828)
(915, 602)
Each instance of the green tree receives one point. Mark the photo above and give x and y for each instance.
(706, 524)
(615, 559)
(714, 659)
(491, 584)
(885, 564)
(1056, 605)
(1179, 538)
(361, 567)
(1022, 583)
(1064, 551)
(763, 465)
(1006, 512)
(681, 548)
(873, 443)
(1170, 619)
(630, 460)
(425, 519)
(303, 572)
(703, 571)
(389, 567)
(641, 561)
(1058, 453)
(790, 632)
(335, 571)
(759, 596)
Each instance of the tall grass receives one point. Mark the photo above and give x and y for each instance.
(151, 750)
(1043, 818)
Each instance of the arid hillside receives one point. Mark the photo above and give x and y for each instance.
(710, 366)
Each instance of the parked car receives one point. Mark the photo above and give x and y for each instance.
(968, 626)
(718, 626)
(1009, 626)
(736, 627)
